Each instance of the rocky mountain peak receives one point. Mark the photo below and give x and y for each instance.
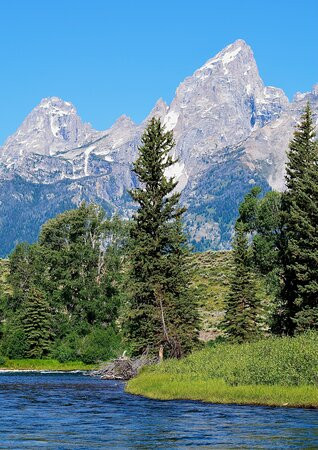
(231, 132)
(123, 121)
(159, 110)
(56, 103)
(52, 126)
(238, 53)
(300, 100)
(222, 103)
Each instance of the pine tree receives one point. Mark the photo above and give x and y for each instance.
(242, 314)
(162, 312)
(300, 208)
(36, 323)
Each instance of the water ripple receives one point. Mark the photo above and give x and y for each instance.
(65, 411)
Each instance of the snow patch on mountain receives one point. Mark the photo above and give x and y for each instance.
(170, 120)
(230, 131)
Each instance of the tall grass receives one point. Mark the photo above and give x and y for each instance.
(273, 371)
(178, 387)
(284, 361)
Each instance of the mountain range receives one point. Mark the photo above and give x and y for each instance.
(231, 133)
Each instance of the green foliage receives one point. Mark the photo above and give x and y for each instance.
(100, 345)
(65, 353)
(210, 283)
(283, 229)
(36, 322)
(81, 253)
(78, 267)
(306, 319)
(210, 280)
(67, 349)
(162, 311)
(262, 219)
(5, 286)
(274, 371)
(13, 343)
(248, 209)
(243, 309)
(287, 361)
(25, 270)
(300, 207)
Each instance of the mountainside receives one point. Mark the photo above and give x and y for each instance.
(231, 132)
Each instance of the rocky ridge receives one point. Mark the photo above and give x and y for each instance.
(231, 132)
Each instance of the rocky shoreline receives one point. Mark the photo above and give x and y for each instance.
(123, 368)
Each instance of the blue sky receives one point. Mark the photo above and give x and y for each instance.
(110, 58)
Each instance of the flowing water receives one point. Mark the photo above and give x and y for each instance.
(64, 411)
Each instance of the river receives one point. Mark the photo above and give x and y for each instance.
(64, 411)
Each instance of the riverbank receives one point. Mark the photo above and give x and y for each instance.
(44, 364)
(166, 387)
(273, 372)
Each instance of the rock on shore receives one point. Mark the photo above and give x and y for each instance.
(123, 368)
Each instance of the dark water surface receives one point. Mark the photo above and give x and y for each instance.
(62, 411)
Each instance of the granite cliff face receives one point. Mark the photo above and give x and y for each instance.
(231, 133)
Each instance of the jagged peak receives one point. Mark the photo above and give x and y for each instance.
(238, 45)
(161, 104)
(55, 103)
(229, 53)
(300, 96)
(124, 120)
(53, 125)
(159, 110)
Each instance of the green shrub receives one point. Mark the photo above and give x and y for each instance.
(68, 349)
(65, 353)
(100, 345)
(2, 360)
(14, 343)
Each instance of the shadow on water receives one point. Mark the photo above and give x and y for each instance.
(60, 411)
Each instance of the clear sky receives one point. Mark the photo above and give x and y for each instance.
(114, 57)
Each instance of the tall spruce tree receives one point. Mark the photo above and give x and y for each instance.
(300, 208)
(36, 323)
(162, 314)
(242, 313)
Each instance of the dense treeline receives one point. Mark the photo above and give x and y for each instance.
(66, 289)
(283, 234)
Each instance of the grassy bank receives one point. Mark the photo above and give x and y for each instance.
(44, 364)
(280, 371)
(167, 387)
